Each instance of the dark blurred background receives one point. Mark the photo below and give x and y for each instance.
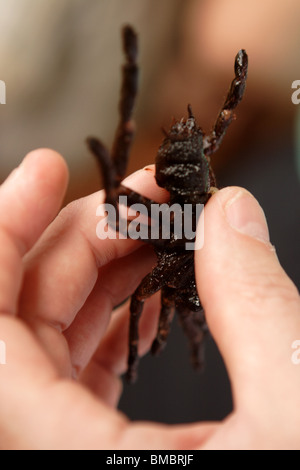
(60, 60)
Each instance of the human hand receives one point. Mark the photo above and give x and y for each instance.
(56, 304)
(253, 312)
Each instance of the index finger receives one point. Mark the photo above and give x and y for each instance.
(62, 270)
(29, 199)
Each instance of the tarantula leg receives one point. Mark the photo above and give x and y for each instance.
(145, 227)
(212, 142)
(107, 170)
(114, 167)
(165, 320)
(125, 130)
(194, 327)
(136, 198)
(149, 286)
(238, 84)
(136, 308)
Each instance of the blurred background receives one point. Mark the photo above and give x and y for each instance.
(61, 59)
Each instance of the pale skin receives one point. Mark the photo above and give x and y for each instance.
(65, 352)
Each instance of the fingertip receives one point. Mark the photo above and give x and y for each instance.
(143, 182)
(33, 193)
(244, 213)
(46, 165)
(233, 217)
(236, 244)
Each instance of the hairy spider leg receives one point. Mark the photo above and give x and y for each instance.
(136, 308)
(195, 328)
(151, 284)
(212, 142)
(125, 130)
(165, 320)
(103, 159)
(114, 168)
(136, 198)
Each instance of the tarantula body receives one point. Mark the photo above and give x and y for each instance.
(181, 165)
(183, 168)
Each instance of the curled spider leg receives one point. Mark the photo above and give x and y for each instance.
(136, 198)
(212, 142)
(165, 320)
(195, 328)
(143, 225)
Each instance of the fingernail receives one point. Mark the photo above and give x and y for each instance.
(245, 215)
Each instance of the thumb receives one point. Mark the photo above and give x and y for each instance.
(252, 307)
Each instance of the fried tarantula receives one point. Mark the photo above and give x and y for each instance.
(182, 168)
